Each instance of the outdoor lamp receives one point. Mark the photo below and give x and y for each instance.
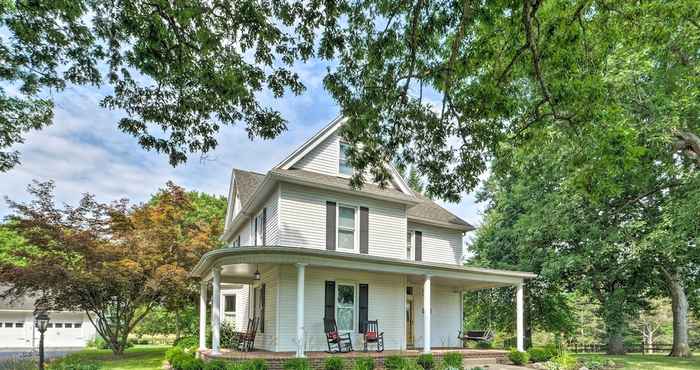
(41, 319)
(256, 275)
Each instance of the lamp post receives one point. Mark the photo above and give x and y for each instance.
(41, 318)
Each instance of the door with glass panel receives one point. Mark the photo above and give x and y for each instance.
(345, 307)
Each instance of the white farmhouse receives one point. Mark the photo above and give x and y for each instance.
(304, 246)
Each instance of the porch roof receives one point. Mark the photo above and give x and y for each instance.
(473, 277)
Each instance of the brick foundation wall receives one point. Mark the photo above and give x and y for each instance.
(317, 362)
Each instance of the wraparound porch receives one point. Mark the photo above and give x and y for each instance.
(293, 302)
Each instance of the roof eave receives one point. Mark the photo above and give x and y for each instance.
(448, 225)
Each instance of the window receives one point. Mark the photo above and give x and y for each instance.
(346, 228)
(409, 244)
(50, 325)
(344, 167)
(78, 325)
(259, 228)
(230, 303)
(236, 242)
(8, 324)
(345, 307)
(59, 325)
(19, 325)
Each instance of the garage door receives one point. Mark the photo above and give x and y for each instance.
(14, 332)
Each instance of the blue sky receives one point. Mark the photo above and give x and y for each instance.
(84, 152)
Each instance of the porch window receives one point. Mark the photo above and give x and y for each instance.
(344, 167)
(345, 307)
(346, 228)
(230, 304)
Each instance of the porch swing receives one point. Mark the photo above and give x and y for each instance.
(478, 335)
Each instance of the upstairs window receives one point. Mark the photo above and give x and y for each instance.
(409, 245)
(346, 228)
(344, 167)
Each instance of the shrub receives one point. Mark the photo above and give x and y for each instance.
(484, 344)
(452, 360)
(186, 342)
(15, 363)
(597, 363)
(517, 357)
(257, 364)
(214, 365)
(296, 364)
(334, 363)
(542, 354)
(426, 361)
(185, 361)
(364, 363)
(172, 352)
(394, 363)
(564, 361)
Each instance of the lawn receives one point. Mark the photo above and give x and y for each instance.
(136, 358)
(652, 362)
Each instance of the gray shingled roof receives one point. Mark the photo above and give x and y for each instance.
(426, 209)
(247, 182)
(22, 303)
(429, 210)
(341, 183)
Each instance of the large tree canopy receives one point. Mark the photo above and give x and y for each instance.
(441, 82)
(114, 261)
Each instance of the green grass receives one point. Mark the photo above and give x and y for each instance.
(651, 362)
(136, 358)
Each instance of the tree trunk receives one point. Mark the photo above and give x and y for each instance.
(616, 343)
(679, 306)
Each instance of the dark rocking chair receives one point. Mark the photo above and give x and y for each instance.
(245, 341)
(475, 335)
(337, 342)
(372, 335)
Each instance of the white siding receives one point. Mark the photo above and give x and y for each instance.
(386, 304)
(324, 158)
(240, 318)
(446, 320)
(440, 245)
(272, 233)
(303, 220)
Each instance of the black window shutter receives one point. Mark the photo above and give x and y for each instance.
(262, 309)
(364, 230)
(255, 231)
(419, 246)
(364, 307)
(264, 227)
(329, 307)
(330, 226)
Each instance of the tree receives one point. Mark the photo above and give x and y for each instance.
(112, 261)
(652, 322)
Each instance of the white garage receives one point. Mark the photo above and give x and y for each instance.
(66, 329)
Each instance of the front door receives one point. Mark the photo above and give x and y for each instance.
(410, 322)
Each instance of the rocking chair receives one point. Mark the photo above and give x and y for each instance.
(372, 335)
(337, 342)
(475, 335)
(245, 341)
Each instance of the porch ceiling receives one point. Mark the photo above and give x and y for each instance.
(239, 264)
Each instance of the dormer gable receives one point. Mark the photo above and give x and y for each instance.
(323, 153)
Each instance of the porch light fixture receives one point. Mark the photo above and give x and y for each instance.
(256, 275)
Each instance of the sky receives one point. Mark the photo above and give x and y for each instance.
(84, 151)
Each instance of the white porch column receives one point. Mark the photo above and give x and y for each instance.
(426, 314)
(203, 315)
(520, 327)
(215, 308)
(301, 269)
